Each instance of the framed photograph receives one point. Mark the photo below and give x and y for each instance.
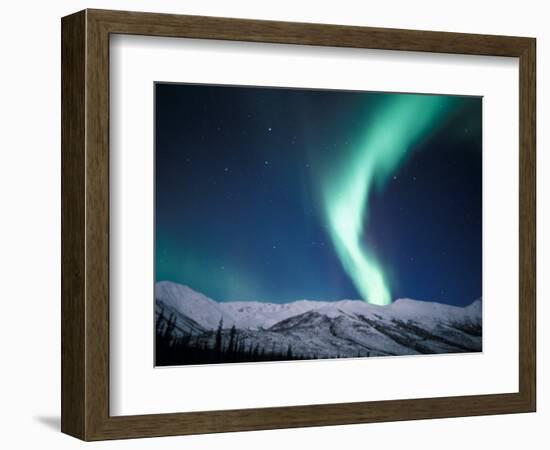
(273, 225)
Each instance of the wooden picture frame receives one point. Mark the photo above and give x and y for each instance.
(85, 224)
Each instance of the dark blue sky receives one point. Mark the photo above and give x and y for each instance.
(238, 210)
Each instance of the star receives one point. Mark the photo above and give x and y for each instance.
(269, 129)
(226, 169)
(266, 163)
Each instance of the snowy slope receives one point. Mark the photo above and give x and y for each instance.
(256, 315)
(203, 310)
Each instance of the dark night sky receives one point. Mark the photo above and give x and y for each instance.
(239, 214)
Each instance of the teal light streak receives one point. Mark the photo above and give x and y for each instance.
(390, 135)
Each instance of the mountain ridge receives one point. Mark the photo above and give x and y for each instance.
(327, 329)
(236, 312)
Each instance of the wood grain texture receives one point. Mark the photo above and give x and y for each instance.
(527, 224)
(73, 109)
(85, 224)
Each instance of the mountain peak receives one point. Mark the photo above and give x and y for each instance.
(191, 303)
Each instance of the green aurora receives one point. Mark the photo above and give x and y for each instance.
(389, 138)
(276, 194)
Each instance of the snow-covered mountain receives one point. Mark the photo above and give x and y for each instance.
(184, 300)
(328, 329)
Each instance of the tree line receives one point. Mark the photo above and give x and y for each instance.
(213, 347)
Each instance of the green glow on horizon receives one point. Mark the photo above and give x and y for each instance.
(402, 121)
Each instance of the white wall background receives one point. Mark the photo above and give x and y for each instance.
(30, 221)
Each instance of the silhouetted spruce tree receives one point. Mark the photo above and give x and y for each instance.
(168, 334)
(232, 333)
(219, 338)
(160, 321)
(240, 344)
